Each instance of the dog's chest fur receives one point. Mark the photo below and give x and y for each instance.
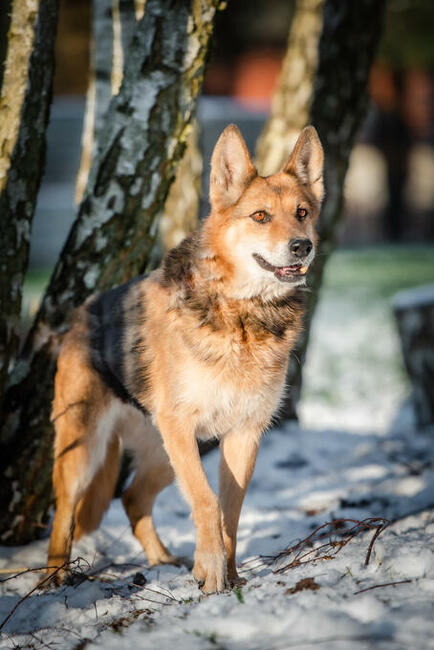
(233, 364)
(226, 383)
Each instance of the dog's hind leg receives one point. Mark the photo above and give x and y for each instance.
(84, 415)
(70, 472)
(153, 474)
(138, 500)
(73, 475)
(83, 482)
(95, 501)
(238, 456)
(62, 531)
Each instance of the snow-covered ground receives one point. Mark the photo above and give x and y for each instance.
(355, 455)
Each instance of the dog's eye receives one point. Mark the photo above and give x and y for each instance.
(260, 216)
(301, 213)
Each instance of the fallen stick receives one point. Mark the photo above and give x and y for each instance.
(19, 571)
(384, 584)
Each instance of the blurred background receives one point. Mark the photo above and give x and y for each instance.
(386, 239)
(389, 189)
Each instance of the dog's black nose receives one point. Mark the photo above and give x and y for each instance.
(300, 247)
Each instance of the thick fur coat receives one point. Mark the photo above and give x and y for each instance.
(197, 349)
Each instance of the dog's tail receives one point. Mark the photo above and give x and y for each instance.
(96, 499)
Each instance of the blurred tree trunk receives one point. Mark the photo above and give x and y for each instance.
(180, 215)
(5, 21)
(334, 99)
(292, 97)
(414, 312)
(143, 137)
(24, 110)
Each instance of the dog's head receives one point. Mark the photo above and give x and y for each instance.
(262, 229)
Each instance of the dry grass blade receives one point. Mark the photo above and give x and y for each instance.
(165, 593)
(374, 539)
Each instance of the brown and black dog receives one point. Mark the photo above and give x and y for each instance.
(197, 349)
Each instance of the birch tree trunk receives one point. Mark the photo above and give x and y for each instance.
(143, 137)
(334, 99)
(113, 25)
(24, 111)
(99, 87)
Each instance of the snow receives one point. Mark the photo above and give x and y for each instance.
(355, 455)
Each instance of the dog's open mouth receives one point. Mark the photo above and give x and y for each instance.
(284, 273)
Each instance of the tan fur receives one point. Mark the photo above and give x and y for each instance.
(205, 351)
(96, 499)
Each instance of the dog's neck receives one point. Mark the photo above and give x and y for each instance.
(199, 275)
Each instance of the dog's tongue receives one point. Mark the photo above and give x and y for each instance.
(288, 270)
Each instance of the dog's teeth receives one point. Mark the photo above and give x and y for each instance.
(303, 269)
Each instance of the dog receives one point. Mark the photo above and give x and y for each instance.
(198, 349)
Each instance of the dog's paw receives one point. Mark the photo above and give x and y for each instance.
(236, 580)
(163, 558)
(210, 571)
(52, 579)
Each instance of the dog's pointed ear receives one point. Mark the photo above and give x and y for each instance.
(307, 160)
(231, 168)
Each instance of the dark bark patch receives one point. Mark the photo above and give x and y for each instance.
(108, 165)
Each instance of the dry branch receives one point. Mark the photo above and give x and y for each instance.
(313, 548)
(384, 584)
(40, 585)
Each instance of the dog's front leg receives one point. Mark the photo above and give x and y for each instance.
(182, 449)
(238, 455)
